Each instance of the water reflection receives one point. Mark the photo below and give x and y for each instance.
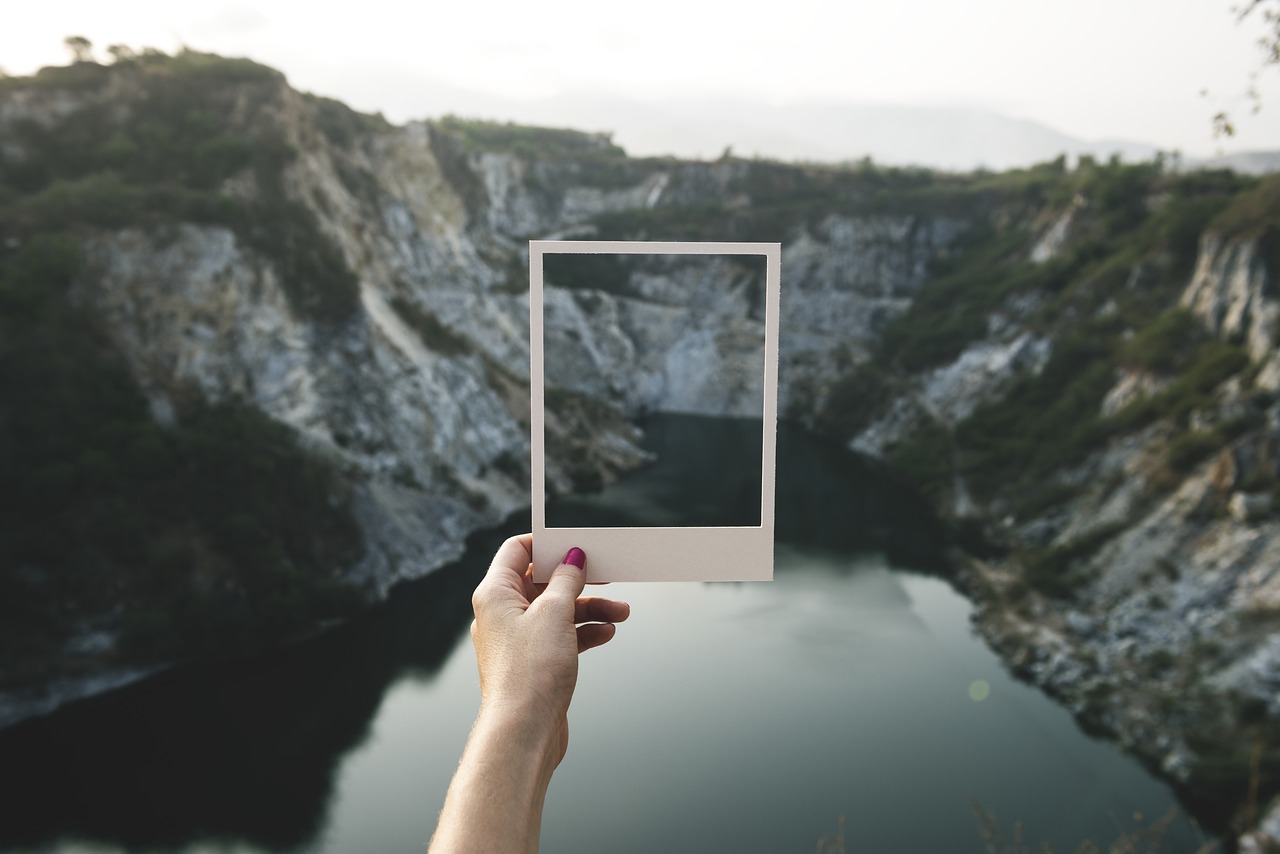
(247, 749)
(844, 686)
(242, 749)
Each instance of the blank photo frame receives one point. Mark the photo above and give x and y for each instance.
(656, 554)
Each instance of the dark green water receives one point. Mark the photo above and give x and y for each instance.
(734, 718)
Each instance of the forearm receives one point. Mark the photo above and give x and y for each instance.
(495, 800)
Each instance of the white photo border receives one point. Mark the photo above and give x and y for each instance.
(656, 554)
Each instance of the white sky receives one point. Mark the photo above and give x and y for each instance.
(1115, 69)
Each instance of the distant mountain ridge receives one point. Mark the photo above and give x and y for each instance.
(936, 136)
(1245, 162)
(950, 138)
(956, 139)
(939, 137)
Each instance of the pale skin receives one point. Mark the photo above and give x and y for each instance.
(527, 637)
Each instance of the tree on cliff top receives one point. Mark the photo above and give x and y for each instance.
(81, 48)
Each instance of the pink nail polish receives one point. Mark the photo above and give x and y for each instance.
(576, 557)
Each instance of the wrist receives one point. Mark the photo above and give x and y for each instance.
(530, 709)
(531, 730)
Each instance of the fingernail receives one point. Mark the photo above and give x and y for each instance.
(576, 556)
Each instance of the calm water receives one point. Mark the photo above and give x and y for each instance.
(727, 718)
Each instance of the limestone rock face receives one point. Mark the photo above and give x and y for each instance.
(1173, 574)
(366, 393)
(1055, 236)
(420, 393)
(844, 280)
(1131, 386)
(950, 393)
(649, 356)
(1172, 600)
(1231, 293)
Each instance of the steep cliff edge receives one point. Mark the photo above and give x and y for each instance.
(1078, 364)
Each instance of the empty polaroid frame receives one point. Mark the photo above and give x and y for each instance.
(656, 554)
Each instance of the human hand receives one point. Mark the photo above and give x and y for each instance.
(527, 636)
(527, 639)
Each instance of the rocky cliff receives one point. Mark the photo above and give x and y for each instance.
(417, 388)
(1077, 364)
(240, 244)
(1127, 481)
(1164, 634)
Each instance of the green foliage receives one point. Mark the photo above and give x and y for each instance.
(1133, 242)
(1207, 365)
(1036, 185)
(1188, 449)
(79, 76)
(1161, 346)
(1191, 447)
(101, 199)
(991, 266)
(215, 536)
(927, 458)
(275, 533)
(1252, 211)
(1196, 199)
(46, 266)
(1256, 215)
(953, 310)
(530, 142)
(551, 156)
(855, 401)
(1116, 192)
(312, 270)
(179, 127)
(1055, 571)
(340, 124)
(191, 122)
(211, 537)
(766, 201)
(1042, 423)
(1047, 422)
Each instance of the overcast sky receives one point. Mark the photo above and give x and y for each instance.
(1095, 69)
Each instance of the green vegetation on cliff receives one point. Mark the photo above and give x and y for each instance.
(1101, 299)
(158, 140)
(210, 537)
(214, 535)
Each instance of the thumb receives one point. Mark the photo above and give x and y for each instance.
(569, 578)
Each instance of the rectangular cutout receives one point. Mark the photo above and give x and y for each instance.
(584, 269)
(676, 341)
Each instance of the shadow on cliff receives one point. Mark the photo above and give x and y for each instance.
(247, 750)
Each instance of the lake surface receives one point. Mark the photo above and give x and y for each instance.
(730, 717)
